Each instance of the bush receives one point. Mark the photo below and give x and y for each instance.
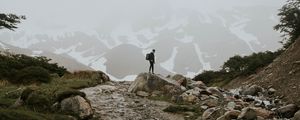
(11, 64)
(32, 74)
(238, 66)
(38, 101)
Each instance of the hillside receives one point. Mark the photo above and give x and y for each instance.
(283, 75)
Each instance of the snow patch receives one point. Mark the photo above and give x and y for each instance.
(37, 52)
(206, 65)
(169, 64)
(127, 78)
(186, 39)
(237, 28)
(3, 46)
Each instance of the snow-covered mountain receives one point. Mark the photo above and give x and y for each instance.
(187, 39)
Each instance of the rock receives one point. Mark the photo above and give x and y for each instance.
(195, 91)
(142, 93)
(211, 102)
(151, 82)
(260, 118)
(77, 106)
(266, 114)
(287, 111)
(212, 113)
(297, 116)
(229, 115)
(189, 98)
(271, 91)
(198, 84)
(248, 114)
(216, 91)
(231, 105)
(252, 90)
(180, 79)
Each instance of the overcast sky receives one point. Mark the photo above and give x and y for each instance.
(47, 15)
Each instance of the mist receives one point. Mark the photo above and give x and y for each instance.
(113, 36)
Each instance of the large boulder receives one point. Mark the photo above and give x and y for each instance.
(297, 116)
(287, 111)
(212, 113)
(229, 115)
(266, 114)
(247, 114)
(150, 82)
(77, 106)
(198, 84)
(252, 90)
(180, 79)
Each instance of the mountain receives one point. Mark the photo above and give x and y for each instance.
(283, 75)
(62, 60)
(187, 41)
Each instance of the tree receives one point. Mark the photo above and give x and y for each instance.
(10, 21)
(289, 22)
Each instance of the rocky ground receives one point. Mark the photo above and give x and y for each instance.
(188, 100)
(112, 101)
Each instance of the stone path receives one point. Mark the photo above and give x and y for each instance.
(111, 101)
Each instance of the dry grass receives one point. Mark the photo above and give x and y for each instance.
(4, 83)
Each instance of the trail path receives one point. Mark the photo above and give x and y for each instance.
(111, 101)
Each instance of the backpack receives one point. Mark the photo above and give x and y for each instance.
(148, 56)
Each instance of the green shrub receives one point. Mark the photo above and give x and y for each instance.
(238, 66)
(38, 101)
(32, 74)
(11, 64)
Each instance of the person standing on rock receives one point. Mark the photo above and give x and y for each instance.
(151, 58)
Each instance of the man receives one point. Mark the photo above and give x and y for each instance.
(152, 61)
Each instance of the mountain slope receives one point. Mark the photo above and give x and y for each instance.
(62, 60)
(283, 75)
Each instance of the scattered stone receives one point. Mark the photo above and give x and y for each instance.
(271, 91)
(189, 98)
(231, 105)
(248, 114)
(266, 114)
(287, 111)
(252, 90)
(211, 102)
(229, 115)
(77, 106)
(212, 113)
(198, 84)
(142, 93)
(216, 91)
(297, 116)
(181, 80)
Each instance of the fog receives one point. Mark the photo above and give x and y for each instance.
(114, 35)
(47, 15)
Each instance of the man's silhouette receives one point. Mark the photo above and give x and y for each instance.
(152, 61)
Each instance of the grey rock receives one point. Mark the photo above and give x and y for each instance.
(151, 82)
(297, 116)
(252, 90)
(287, 111)
(247, 114)
(212, 113)
(77, 106)
(142, 93)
